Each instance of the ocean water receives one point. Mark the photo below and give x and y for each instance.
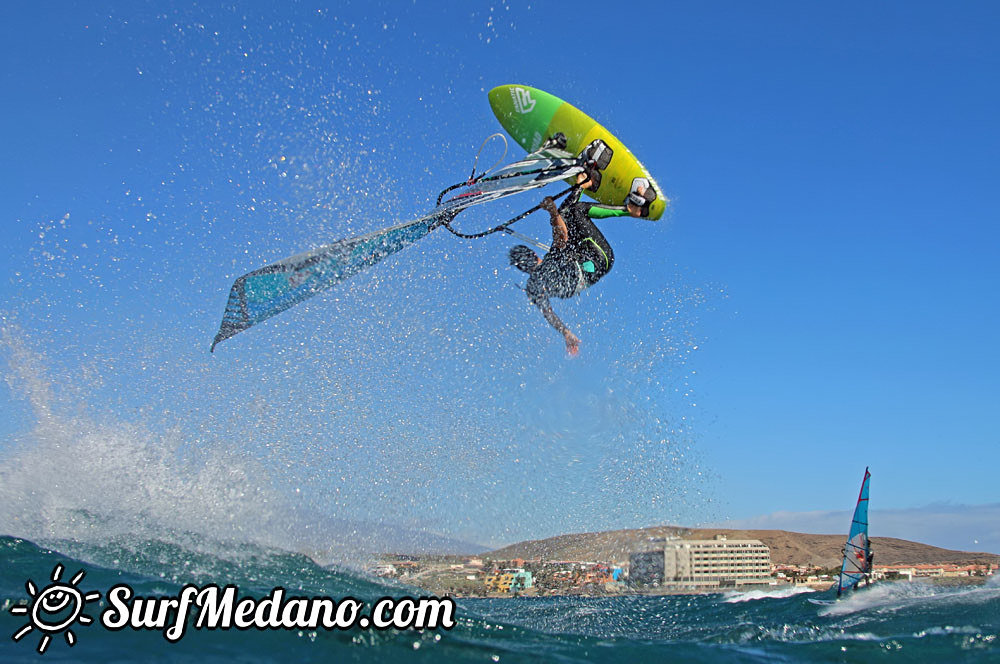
(202, 142)
(904, 622)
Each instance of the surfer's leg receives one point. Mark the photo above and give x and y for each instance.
(582, 226)
(560, 235)
(589, 244)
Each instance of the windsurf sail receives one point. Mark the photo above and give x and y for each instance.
(267, 291)
(856, 568)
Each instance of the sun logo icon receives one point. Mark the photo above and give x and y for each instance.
(54, 609)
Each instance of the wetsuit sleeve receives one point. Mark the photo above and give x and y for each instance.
(606, 211)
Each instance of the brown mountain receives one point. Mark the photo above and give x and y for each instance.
(786, 547)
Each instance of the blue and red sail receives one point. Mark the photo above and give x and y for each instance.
(856, 569)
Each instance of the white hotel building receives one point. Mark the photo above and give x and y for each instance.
(717, 563)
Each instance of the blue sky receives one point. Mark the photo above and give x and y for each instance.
(820, 297)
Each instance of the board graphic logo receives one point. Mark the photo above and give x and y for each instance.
(54, 609)
(523, 103)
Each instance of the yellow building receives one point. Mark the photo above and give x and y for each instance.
(509, 581)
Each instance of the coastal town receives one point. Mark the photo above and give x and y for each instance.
(669, 566)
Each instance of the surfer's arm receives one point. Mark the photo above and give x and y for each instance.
(560, 234)
(572, 342)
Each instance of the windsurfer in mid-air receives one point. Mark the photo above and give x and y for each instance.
(580, 254)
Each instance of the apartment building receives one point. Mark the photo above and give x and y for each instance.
(719, 562)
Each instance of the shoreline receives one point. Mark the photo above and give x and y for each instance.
(663, 592)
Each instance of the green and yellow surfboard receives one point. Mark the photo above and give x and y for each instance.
(531, 116)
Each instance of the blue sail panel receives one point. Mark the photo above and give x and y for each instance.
(268, 291)
(855, 568)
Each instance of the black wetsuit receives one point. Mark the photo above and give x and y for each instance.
(586, 242)
(587, 256)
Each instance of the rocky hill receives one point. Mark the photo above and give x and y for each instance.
(786, 547)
